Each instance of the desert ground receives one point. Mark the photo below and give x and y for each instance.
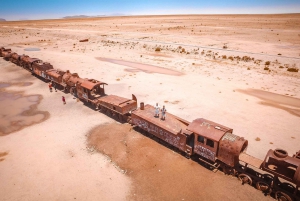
(236, 70)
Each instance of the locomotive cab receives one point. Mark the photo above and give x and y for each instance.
(207, 137)
(90, 89)
(216, 142)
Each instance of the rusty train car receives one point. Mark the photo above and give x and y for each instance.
(210, 143)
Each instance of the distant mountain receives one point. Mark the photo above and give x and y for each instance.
(1, 19)
(81, 16)
(88, 16)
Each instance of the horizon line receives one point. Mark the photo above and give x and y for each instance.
(133, 15)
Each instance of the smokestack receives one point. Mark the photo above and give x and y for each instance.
(142, 106)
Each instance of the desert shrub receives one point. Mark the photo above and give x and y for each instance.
(281, 67)
(292, 69)
(231, 58)
(182, 50)
(248, 68)
(257, 139)
(246, 58)
(157, 49)
(266, 68)
(225, 46)
(267, 63)
(224, 56)
(279, 54)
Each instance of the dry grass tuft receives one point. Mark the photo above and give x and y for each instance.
(257, 139)
(293, 69)
(157, 49)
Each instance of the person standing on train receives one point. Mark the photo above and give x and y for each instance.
(163, 113)
(156, 110)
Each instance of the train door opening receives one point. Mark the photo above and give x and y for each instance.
(190, 140)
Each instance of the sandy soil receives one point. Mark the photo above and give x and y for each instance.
(230, 69)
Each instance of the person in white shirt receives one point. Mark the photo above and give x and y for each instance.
(156, 110)
(163, 113)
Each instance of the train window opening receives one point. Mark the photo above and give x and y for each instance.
(200, 139)
(210, 143)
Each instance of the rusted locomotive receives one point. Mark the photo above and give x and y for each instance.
(4, 51)
(211, 143)
(217, 146)
(6, 54)
(15, 58)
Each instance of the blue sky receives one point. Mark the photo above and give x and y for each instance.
(21, 9)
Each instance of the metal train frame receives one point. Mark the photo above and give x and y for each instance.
(211, 143)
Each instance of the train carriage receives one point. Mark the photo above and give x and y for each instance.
(3, 50)
(116, 106)
(39, 68)
(15, 58)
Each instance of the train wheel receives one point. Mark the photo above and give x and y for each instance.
(280, 196)
(263, 186)
(245, 179)
(120, 117)
(108, 112)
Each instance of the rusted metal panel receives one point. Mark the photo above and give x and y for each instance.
(40, 68)
(70, 79)
(277, 162)
(15, 58)
(3, 50)
(230, 148)
(91, 84)
(117, 103)
(255, 162)
(205, 151)
(208, 129)
(26, 61)
(6, 55)
(84, 40)
(55, 75)
(170, 130)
